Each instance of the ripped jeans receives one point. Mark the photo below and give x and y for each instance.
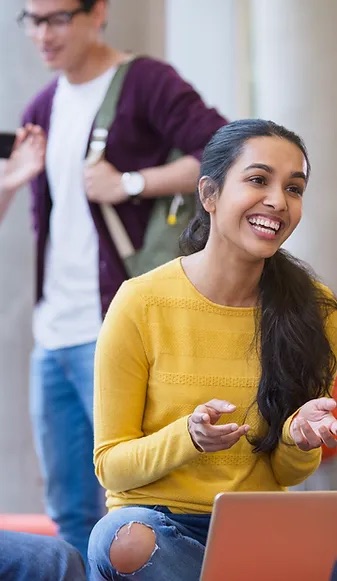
(179, 544)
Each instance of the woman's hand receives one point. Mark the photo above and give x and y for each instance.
(315, 424)
(208, 437)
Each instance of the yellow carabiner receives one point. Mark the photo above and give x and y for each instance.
(177, 201)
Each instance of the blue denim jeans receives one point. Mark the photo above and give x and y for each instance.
(334, 573)
(62, 415)
(26, 557)
(179, 550)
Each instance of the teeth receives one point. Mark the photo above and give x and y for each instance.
(264, 229)
(265, 222)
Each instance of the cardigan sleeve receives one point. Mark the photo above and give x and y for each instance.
(176, 110)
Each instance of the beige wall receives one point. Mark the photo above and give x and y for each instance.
(141, 28)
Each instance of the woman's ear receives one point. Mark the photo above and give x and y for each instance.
(208, 193)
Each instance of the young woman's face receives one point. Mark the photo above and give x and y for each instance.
(260, 204)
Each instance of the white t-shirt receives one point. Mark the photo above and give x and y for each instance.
(70, 311)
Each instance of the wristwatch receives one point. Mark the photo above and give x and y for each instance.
(133, 183)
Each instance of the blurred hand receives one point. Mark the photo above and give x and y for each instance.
(102, 183)
(27, 159)
(209, 437)
(315, 424)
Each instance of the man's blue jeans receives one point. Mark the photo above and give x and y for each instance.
(62, 416)
(36, 558)
(179, 550)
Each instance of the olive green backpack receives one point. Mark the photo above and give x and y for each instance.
(170, 214)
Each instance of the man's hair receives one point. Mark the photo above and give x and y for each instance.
(89, 4)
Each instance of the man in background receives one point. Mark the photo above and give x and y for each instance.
(78, 266)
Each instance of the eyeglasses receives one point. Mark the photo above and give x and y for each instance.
(55, 20)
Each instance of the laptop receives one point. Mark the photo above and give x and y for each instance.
(272, 536)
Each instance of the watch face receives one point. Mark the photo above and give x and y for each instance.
(133, 183)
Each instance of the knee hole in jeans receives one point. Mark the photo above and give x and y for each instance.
(132, 548)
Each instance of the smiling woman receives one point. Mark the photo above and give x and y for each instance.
(254, 174)
(270, 175)
(236, 323)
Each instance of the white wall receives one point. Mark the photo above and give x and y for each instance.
(295, 45)
(208, 42)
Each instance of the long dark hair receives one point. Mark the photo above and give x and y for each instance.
(297, 362)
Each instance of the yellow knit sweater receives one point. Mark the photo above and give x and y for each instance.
(163, 349)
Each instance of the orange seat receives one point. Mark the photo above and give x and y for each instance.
(38, 524)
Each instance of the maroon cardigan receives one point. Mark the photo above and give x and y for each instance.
(157, 111)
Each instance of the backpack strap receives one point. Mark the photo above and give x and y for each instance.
(106, 114)
(103, 121)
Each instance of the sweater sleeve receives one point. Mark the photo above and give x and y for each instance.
(124, 457)
(175, 109)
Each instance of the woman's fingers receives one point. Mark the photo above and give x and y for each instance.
(327, 437)
(217, 432)
(220, 406)
(214, 409)
(226, 441)
(205, 427)
(304, 436)
(200, 418)
(234, 436)
(209, 436)
(333, 427)
(325, 404)
(213, 438)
